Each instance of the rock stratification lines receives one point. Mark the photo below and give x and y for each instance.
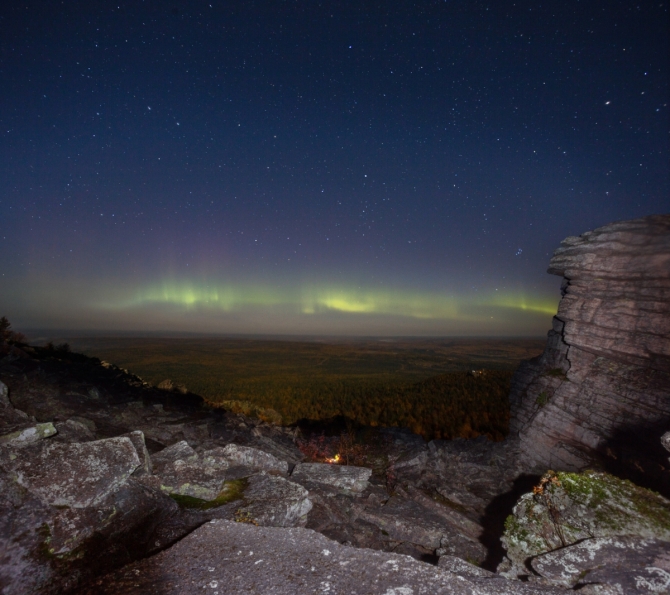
(602, 385)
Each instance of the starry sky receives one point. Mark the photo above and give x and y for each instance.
(314, 167)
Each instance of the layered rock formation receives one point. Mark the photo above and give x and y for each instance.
(601, 389)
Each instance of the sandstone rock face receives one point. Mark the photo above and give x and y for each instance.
(567, 508)
(224, 558)
(602, 386)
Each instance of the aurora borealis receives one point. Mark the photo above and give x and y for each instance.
(318, 168)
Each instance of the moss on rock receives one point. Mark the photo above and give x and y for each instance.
(567, 507)
(232, 490)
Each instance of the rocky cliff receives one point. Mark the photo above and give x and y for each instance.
(600, 392)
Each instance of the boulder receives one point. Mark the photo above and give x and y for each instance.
(566, 508)
(278, 441)
(72, 511)
(254, 458)
(462, 568)
(273, 501)
(227, 558)
(192, 476)
(72, 475)
(22, 521)
(145, 467)
(601, 389)
(9, 415)
(180, 451)
(465, 475)
(184, 472)
(624, 564)
(344, 477)
(411, 464)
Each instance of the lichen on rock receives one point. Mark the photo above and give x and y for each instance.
(565, 508)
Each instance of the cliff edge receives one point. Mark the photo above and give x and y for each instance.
(601, 389)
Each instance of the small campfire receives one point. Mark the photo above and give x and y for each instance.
(335, 459)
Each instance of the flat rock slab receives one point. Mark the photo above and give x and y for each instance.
(627, 564)
(74, 475)
(254, 458)
(227, 558)
(346, 477)
(192, 479)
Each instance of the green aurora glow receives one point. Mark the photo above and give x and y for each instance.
(311, 300)
(280, 307)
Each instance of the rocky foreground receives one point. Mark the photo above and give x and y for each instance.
(108, 485)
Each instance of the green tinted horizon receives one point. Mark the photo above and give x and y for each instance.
(314, 299)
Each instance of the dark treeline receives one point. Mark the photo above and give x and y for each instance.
(451, 405)
(415, 384)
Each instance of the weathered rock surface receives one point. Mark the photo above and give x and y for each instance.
(28, 434)
(72, 475)
(273, 501)
(566, 508)
(601, 389)
(254, 458)
(184, 472)
(353, 479)
(619, 564)
(224, 558)
(462, 568)
(72, 511)
(407, 521)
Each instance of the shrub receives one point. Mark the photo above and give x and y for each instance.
(7, 335)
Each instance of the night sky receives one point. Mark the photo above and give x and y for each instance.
(351, 167)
